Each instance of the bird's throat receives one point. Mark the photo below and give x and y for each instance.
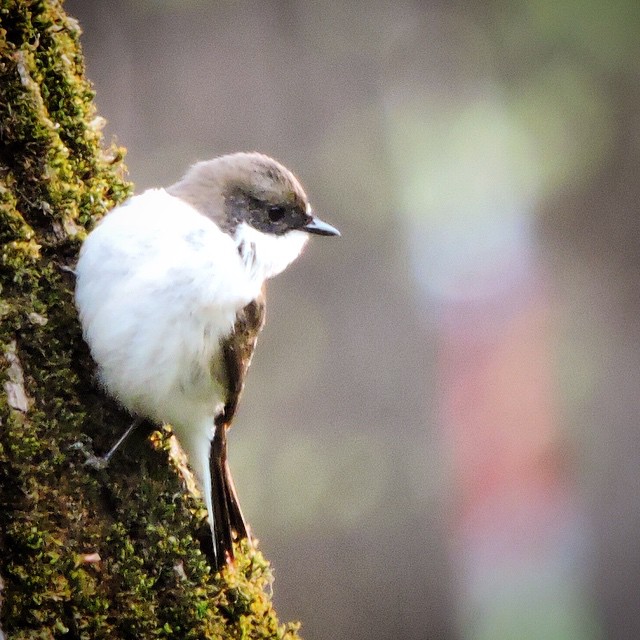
(265, 255)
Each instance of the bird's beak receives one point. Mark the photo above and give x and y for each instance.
(320, 228)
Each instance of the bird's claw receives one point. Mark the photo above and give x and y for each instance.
(91, 459)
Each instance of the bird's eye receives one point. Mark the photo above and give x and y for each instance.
(276, 213)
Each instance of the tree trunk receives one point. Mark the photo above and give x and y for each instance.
(120, 553)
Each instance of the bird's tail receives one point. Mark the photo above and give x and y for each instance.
(196, 443)
(207, 457)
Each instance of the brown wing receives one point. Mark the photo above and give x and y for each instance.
(237, 351)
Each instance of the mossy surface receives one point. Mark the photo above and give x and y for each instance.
(84, 554)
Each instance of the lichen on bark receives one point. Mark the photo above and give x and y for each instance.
(114, 554)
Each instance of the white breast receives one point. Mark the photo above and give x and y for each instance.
(158, 285)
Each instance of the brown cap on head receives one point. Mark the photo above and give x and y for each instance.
(206, 185)
(251, 188)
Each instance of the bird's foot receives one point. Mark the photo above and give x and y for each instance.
(90, 458)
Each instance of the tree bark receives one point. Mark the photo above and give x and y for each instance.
(119, 553)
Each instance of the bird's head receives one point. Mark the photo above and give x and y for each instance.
(250, 188)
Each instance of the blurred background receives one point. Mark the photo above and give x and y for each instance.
(440, 434)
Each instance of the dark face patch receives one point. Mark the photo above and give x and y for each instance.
(269, 215)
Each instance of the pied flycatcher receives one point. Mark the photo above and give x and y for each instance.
(170, 293)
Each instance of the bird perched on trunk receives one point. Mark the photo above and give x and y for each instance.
(170, 293)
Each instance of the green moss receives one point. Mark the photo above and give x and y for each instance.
(87, 555)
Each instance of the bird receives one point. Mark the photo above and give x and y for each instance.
(170, 293)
